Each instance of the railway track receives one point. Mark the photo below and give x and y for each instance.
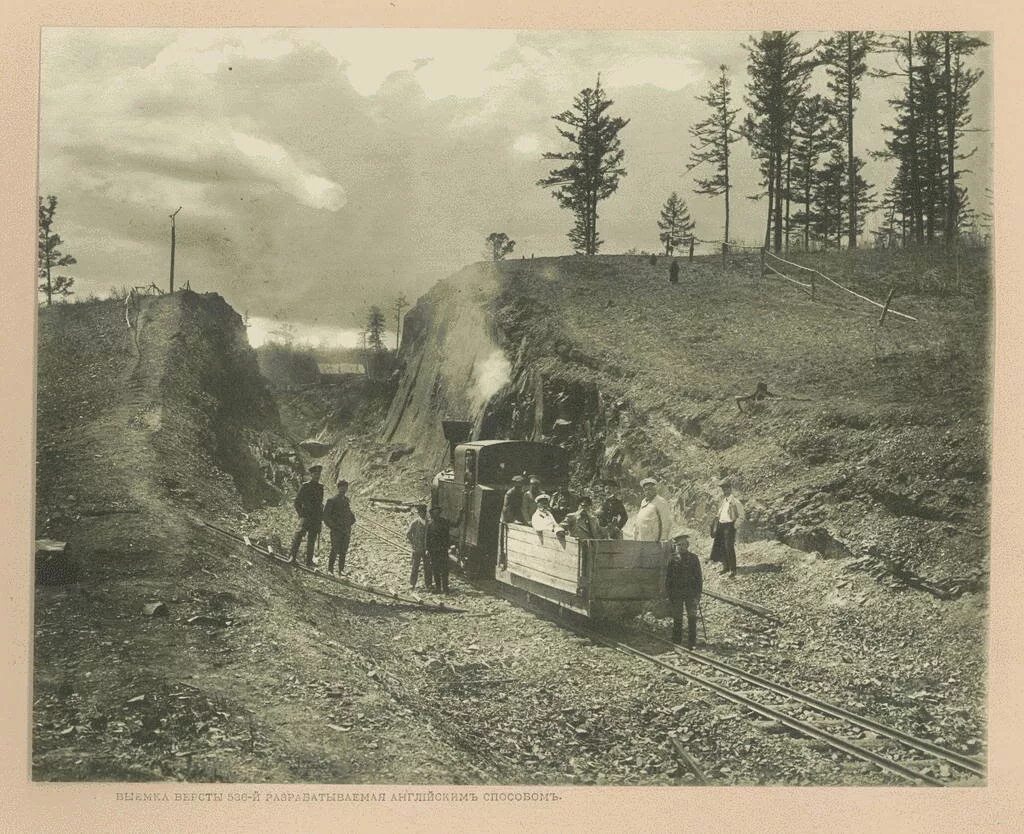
(908, 757)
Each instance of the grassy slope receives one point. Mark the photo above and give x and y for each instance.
(880, 444)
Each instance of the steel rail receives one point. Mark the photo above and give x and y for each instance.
(921, 745)
(369, 589)
(774, 714)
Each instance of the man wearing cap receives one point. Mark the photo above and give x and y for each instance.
(684, 584)
(613, 515)
(653, 521)
(309, 506)
(583, 524)
(416, 535)
(543, 520)
(438, 542)
(530, 498)
(339, 518)
(512, 508)
(723, 528)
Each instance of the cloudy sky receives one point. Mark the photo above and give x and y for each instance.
(321, 171)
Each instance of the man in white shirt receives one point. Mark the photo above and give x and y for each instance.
(542, 519)
(653, 521)
(730, 515)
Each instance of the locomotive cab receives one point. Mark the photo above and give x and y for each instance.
(471, 494)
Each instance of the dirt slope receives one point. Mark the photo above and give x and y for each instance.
(877, 447)
(133, 451)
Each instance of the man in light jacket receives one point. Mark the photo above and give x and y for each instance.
(653, 521)
(723, 528)
(543, 521)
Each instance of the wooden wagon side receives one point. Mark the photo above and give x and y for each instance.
(600, 579)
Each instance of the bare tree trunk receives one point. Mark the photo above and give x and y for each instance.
(916, 219)
(952, 203)
(851, 168)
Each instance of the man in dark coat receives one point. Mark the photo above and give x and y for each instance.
(673, 272)
(438, 541)
(339, 518)
(684, 584)
(512, 508)
(613, 515)
(309, 505)
(583, 523)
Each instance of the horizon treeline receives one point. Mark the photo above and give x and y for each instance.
(811, 170)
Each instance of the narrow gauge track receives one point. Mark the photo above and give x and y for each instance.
(803, 713)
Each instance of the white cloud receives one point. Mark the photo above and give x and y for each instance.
(667, 73)
(528, 143)
(275, 164)
(448, 62)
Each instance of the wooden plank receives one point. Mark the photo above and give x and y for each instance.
(531, 536)
(602, 546)
(639, 561)
(542, 577)
(554, 573)
(562, 561)
(636, 585)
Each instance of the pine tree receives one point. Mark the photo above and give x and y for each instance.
(50, 255)
(812, 126)
(676, 224)
(375, 324)
(594, 164)
(779, 69)
(499, 245)
(844, 57)
(713, 137)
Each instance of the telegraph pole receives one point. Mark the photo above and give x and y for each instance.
(172, 248)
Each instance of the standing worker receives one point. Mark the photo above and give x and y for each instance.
(309, 506)
(673, 272)
(654, 518)
(438, 542)
(416, 535)
(684, 584)
(512, 508)
(723, 529)
(339, 518)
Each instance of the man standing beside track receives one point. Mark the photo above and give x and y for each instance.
(339, 518)
(723, 529)
(416, 535)
(309, 507)
(684, 584)
(438, 542)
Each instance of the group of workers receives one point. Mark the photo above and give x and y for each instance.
(429, 534)
(313, 513)
(653, 522)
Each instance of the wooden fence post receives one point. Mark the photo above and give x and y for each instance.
(691, 248)
(813, 282)
(725, 253)
(762, 267)
(885, 309)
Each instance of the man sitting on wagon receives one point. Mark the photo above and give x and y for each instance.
(543, 521)
(583, 523)
(654, 518)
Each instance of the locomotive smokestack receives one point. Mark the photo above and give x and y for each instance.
(456, 432)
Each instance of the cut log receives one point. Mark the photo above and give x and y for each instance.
(54, 563)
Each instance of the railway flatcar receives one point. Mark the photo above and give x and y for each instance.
(598, 579)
